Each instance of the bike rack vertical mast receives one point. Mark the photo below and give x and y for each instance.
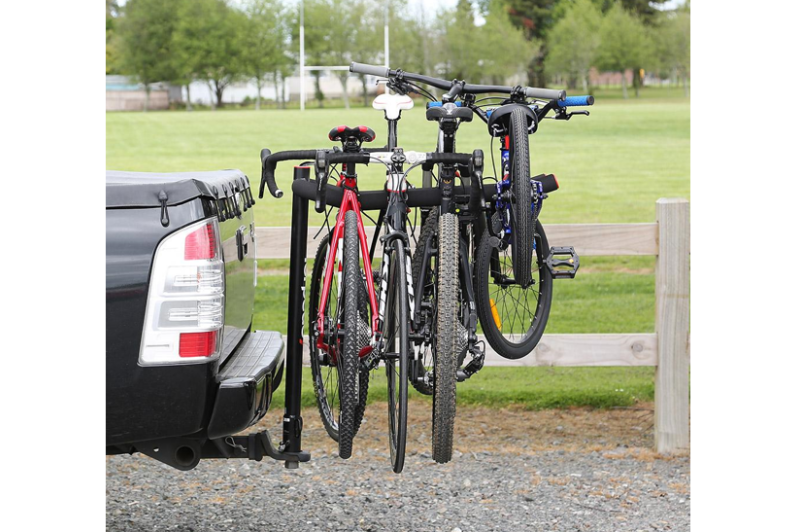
(292, 420)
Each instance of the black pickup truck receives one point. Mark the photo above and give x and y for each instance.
(184, 369)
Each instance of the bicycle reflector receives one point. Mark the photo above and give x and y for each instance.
(186, 299)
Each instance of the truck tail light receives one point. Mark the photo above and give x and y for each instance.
(200, 244)
(198, 344)
(186, 300)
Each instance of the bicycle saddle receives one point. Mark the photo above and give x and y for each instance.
(449, 110)
(359, 133)
(392, 104)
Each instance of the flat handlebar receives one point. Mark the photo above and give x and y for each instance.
(383, 72)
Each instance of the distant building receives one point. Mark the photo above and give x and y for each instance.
(125, 94)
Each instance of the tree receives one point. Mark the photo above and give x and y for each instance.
(624, 44)
(503, 48)
(208, 43)
(490, 52)
(673, 44)
(317, 17)
(146, 45)
(573, 43)
(263, 41)
(462, 49)
(112, 52)
(287, 62)
(368, 43)
(535, 18)
(647, 12)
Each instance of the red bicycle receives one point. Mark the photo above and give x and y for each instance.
(344, 308)
(352, 327)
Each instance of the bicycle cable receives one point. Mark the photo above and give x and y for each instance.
(491, 151)
(329, 211)
(421, 91)
(489, 98)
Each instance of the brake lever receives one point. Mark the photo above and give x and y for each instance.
(563, 115)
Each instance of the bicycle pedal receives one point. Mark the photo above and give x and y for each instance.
(563, 262)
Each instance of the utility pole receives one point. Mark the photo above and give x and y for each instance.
(386, 35)
(302, 59)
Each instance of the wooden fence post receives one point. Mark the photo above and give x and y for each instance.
(672, 326)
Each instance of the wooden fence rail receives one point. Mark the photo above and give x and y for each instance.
(667, 349)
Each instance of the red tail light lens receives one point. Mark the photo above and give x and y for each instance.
(198, 344)
(200, 244)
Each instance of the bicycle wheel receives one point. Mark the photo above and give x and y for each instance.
(447, 343)
(421, 371)
(513, 318)
(335, 368)
(521, 215)
(324, 373)
(397, 324)
(349, 360)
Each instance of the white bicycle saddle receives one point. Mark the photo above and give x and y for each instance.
(392, 104)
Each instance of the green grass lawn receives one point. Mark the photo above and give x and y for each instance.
(529, 388)
(612, 167)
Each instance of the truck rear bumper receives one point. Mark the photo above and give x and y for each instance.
(246, 383)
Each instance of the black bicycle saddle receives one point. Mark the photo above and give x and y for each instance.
(359, 133)
(449, 111)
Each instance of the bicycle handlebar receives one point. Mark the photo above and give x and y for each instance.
(370, 70)
(324, 158)
(531, 92)
(546, 94)
(577, 101)
(270, 160)
(341, 157)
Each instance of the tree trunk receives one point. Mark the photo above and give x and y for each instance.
(624, 86)
(276, 76)
(219, 87)
(536, 74)
(572, 82)
(364, 88)
(283, 92)
(343, 79)
(258, 96)
(188, 97)
(212, 101)
(585, 83)
(146, 97)
(637, 81)
(317, 89)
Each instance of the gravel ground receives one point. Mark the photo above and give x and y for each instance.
(589, 470)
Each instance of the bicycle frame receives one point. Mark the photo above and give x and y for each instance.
(349, 203)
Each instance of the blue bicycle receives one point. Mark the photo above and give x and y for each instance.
(514, 266)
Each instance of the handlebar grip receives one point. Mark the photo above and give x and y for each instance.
(321, 164)
(440, 103)
(268, 163)
(372, 70)
(268, 176)
(455, 158)
(577, 101)
(545, 94)
(360, 158)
